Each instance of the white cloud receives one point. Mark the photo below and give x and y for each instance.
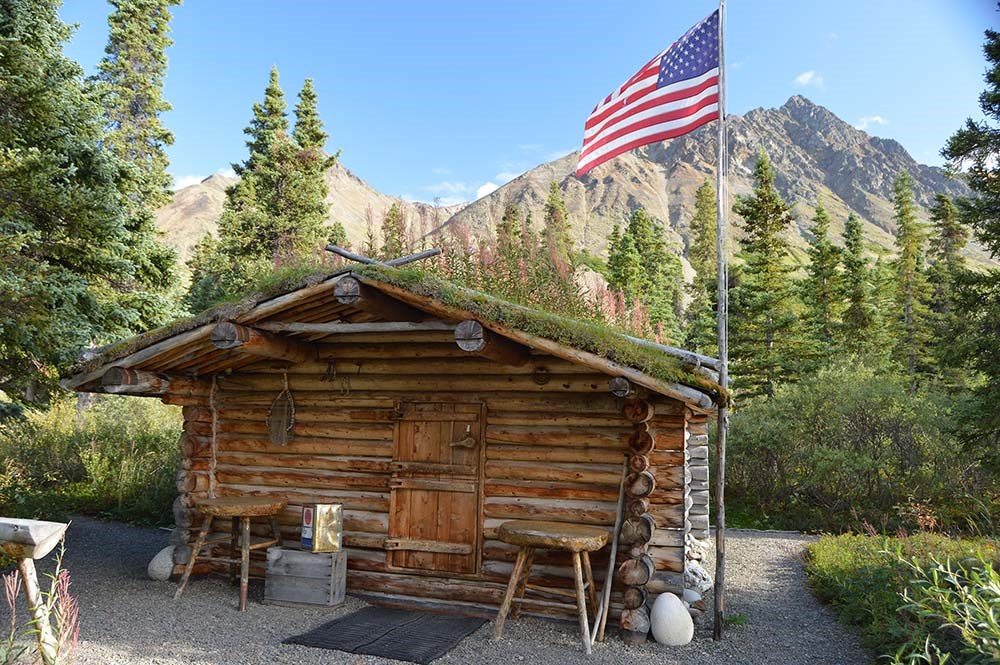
(182, 181)
(507, 176)
(227, 171)
(448, 187)
(449, 200)
(870, 120)
(809, 79)
(486, 188)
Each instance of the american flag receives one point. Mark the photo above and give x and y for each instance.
(674, 93)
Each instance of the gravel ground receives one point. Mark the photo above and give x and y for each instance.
(128, 619)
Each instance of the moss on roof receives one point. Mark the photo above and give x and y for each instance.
(588, 336)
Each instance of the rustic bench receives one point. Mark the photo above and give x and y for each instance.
(240, 509)
(574, 538)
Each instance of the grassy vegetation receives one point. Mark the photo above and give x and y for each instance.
(925, 598)
(117, 459)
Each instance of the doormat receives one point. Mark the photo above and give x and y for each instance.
(416, 637)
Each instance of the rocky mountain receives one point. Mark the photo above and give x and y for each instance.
(817, 156)
(196, 209)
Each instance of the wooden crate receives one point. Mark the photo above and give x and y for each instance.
(305, 578)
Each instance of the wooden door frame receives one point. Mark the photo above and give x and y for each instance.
(480, 498)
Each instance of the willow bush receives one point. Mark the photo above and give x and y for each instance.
(850, 447)
(117, 458)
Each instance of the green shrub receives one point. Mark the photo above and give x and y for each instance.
(118, 459)
(864, 579)
(848, 446)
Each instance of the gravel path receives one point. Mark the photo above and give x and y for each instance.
(128, 619)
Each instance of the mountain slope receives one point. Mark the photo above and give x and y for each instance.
(817, 156)
(195, 210)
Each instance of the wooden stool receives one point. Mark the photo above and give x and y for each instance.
(574, 538)
(240, 510)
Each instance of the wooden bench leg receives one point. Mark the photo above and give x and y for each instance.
(508, 596)
(588, 576)
(581, 601)
(198, 544)
(244, 561)
(522, 583)
(276, 531)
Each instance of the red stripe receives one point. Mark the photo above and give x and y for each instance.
(606, 137)
(680, 93)
(652, 138)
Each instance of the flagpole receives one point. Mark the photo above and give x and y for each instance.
(723, 331)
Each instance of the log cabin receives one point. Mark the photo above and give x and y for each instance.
(434, 413)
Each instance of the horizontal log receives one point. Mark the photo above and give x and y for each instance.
(315, 479)
(580, 383)
(312, 414)
(581, 454)
(671, 559)
(591, 474)
(417, 545)
(634, 625)
(668, 516)
(549, 490)
(125, 381)
(620, 387)
(556, 510)
(352, 431)
(569, 420)
(349, 291)
(472, 337)
(337, 328)
(252, 444)
(636, 572)
(665, 582)
(637, 529)
(557, 436)
(357, 505)
(232, 336)
(634, 597)
(405, 366)
(637, 410)
(640, 484)
(324, 462)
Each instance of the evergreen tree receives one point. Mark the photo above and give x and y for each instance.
(63, 233)
(765, 339)
(858, 322)
(338, 235)
(510, 253)
(975, 148)
(625, 270)
(821, 288)
(700, 317)
(130, 80)
(276, 212)
(394, 244)
(948, 239)
(913, 323)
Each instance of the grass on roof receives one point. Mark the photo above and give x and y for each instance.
(588, 336)
(596, 338)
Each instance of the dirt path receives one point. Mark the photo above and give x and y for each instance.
(128, 619)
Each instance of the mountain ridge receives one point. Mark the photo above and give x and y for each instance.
(816, 156)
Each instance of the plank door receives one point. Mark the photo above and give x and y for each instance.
(434, 497)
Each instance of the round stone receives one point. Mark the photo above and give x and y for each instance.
(670, 622)
(691, 596)
(162, 565)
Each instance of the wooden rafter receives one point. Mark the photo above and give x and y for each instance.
(471, 336)
(228, 335)
(350, 291)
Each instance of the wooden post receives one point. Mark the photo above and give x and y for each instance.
(229, 335)
(47, 645)
(601, 620)
(471, 336)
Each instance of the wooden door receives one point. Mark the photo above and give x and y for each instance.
(434, 503)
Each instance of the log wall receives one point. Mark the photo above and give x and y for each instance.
(697, 462)
(554, 445)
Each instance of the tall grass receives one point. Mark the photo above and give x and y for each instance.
(116, 459)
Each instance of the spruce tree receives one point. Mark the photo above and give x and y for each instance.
(975, 150)
(394, 242)
(912, 290)
(338, 235)
(765, 337)
(63, 229)
(700, 316)
(130, 80)
(858, 319)
(269, 122)
(947, 241)
(821, 288)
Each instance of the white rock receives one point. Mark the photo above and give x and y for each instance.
(695, 577)
(691, 596)
(670, 622)
(162, 565)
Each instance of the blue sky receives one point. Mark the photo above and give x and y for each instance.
(446, 99)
